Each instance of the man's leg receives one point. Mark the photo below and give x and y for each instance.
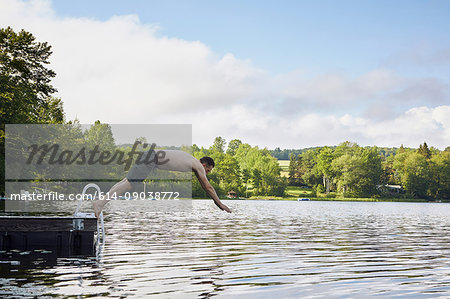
(135, 176)
(115, 191)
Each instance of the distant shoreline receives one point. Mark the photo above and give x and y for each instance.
(341, 199)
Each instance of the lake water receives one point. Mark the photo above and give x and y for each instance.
(265, 249)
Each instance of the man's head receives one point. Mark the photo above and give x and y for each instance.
(208, 163)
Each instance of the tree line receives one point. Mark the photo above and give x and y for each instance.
(285, 154)
(353, 171)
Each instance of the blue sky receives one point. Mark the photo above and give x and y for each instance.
(291, 74)
(282, 36)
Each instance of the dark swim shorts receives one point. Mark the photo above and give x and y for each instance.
(140, 171)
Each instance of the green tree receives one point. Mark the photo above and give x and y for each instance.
(101, 135)
(199, 152)
(292, 169)
(218, 145)
(414, 172)
(256, 180)
(264, 168)
(228, 171)
(324, 160)
(100, 138)
(312, 175)
(424, 150)
(246, 175)
(440, 176)
(388, 174)
(233, 145)
(296, 170)
(356, 171)
(25, 89)
(277, 153)
(346, 147)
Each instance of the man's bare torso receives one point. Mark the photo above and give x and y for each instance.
(176, 161)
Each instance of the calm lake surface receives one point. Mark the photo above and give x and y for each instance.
(265, 249)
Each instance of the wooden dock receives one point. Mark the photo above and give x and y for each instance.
(71, 235)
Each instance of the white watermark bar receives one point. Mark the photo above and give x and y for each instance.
(53, 163)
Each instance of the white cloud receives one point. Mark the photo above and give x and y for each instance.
(328, 89)
(411, 128)
(429, 90)
(422, 54)
(121, 71)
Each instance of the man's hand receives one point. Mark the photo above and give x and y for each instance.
(224, 208)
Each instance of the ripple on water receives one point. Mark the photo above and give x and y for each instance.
(264, 249)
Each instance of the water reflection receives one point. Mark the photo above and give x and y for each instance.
(264, 249)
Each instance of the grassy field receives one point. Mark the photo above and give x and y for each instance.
(292, 191)
(284, 164)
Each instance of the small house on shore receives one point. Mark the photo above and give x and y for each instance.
(391, 189)
(231, 194)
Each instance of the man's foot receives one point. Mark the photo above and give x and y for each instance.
(98, 206)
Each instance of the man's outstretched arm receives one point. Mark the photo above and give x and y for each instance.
(206, 185)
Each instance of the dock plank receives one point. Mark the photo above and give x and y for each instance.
(39, 223)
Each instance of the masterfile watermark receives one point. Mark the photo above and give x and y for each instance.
(46, 164)
(39, 153)
(57, 196)
(50, 196)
